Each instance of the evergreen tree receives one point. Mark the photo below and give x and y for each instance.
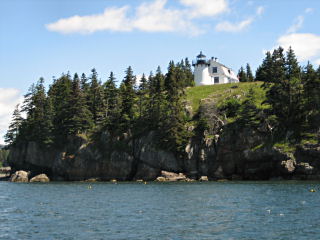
(143, 98)
(188, 73)
(38, 126)
(285, 94)
(112, 103)
(264, 71)
(96, 99)
(60, 94)
(242, 75)
(249, 111)
(156, 97)
(14, 127)
(311, 83)
(174, 134)
(127, 94)
(80, 118)
(249, 74)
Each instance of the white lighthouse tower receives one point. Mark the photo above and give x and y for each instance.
(209, 72)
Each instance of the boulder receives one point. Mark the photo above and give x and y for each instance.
(203, 179)
(19, 176)
(171, 177)
(40, 178)
(5, 172)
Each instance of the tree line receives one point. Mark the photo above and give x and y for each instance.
(292, 105)
(83, 104)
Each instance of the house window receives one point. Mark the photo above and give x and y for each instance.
(214, 70)
(216, 79)
(229, 71)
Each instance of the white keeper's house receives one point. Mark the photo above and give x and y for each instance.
(209, 72)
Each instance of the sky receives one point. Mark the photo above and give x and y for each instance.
(45, 38)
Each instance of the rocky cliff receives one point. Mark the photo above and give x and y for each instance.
(219, 151)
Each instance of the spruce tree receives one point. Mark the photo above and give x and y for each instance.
(14, 127)
(188, 73)
(311, 82)
(264, 71)
(60, 94)
(96, 100)
(127, 95)
(174, 135)
(248, 110)
(242, 75)
(80, 118)
(111, 94)
(143, 97)
(249, 74)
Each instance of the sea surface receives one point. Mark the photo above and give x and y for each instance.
(206, 210)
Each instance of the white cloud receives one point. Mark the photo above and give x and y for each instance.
(296, 25)
(233, 27)
(305, 45)
(260, 10)
(208, 8)
(113, 19)
(153, 16)
(9, 98)
(308, 10)
(227, 26)
(317, 61)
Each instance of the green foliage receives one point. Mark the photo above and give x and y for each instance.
(3, 156)
(249, 111)
(14, 127)
(242, 75)
(284, 91)
(230, 107)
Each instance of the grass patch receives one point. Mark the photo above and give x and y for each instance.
(285, 147)
(310, 138)
(220, 92)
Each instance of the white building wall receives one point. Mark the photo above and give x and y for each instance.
(202, 75)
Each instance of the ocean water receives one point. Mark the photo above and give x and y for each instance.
(211, 210)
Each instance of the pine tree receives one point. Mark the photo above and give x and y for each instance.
(127, 94)
(264, 71)
(311, 82)
(242, 75)
(284, 95)
(80, 118)
(111, 94)
(156, 94)
(248, 110)
(38, 125)
(60, 94)
(143, 97)
(96, 99)
(14, 127)
(174, 135)
(188, 73)
(249, 74)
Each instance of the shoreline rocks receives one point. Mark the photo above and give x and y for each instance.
(40, 178)
(20, 176)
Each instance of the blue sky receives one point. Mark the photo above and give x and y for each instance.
(48, 37)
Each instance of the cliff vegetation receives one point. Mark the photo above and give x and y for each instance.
(262, 128)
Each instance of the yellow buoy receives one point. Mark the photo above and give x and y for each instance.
(312, 190)
(89, 187)
(145, 182)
